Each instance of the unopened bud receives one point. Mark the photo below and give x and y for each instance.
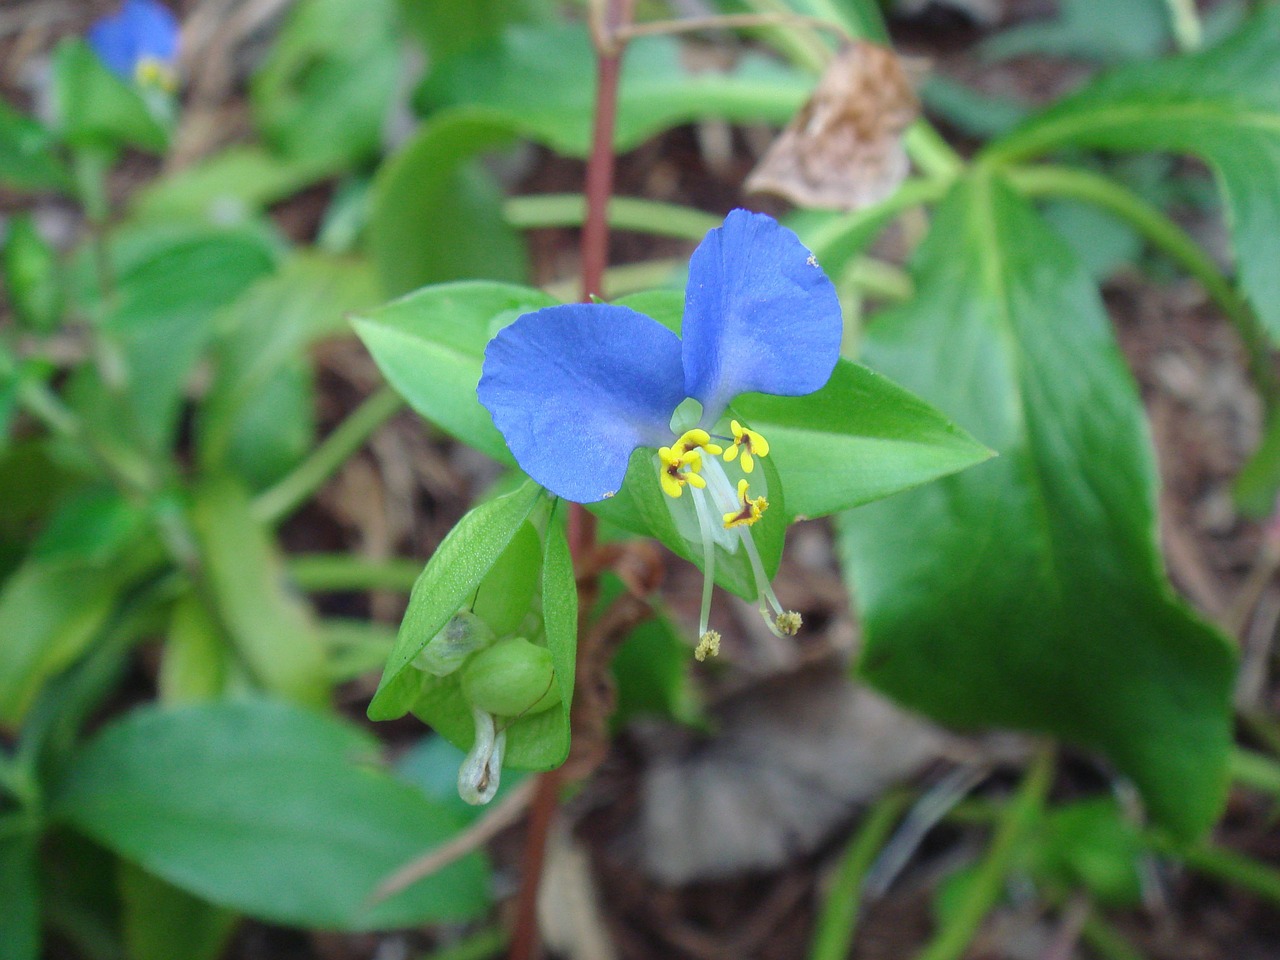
(511, 679)
(463, 635)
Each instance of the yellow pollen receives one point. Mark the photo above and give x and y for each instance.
(150, 72)
(708, 646)
(695, 439)
(679, 466)
(748, 443)
(750, 510)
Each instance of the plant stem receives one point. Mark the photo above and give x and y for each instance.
(324, 572)
(477, 946)
(1104, 940)
(732, 21)
(1188, 33)
(610, 18)
(274, 504)
(1222, 864)
(838, 920)
(1169, 238)
(625, 213)
(1015, 821)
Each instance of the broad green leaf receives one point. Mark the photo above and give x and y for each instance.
(91, 526)
(446, 586)
(28, 160)
(1222, 105)
(230, 187)
(258, 416)
(95, 108)
(447, 27)
(20, 918)
(266, 809)
(170, 280)
(858, 439)
(437, 214)
(1091, 844)
(1027, 592)
(325, 89)
(160, 919)
(273, 629)
(541, 81)
(430, 347)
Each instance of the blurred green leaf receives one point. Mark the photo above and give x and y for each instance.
(169, 282)
(539, 80)
(1090, 844)
(1101, 241)
(31, 275)
(447, 27)
(1222, 105)
(28, 158)
(196, 653)
(651, 673)
(430, 347)
(437, 214)
(266, 809)
(95, 108)
(1134, 29)
(20, 918)
(228, 188)
(1027, 592)
(271, 627)
(325, 89)
(446, 586)
(160, 919)
(432, 764)
(259, 416)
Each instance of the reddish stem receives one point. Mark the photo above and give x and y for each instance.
(582, 524)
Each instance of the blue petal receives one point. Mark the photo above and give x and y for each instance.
(759, 315)
(143, 29)
(575, 388)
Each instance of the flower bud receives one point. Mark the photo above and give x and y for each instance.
(463, 635)
(511, 679)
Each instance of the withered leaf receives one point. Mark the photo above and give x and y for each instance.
(844, 150)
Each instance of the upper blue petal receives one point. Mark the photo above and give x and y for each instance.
(759, 315)
(142, 29)
(575, 388)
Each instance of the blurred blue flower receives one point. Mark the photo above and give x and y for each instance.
(139, 43)
(575, 389)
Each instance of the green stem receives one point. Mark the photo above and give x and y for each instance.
(980, 898)
(838, 920)
(478, 946)
(273, 505)
(1106, 941)
(1255, 770)
(622, 280)
(878, 278)
(334, 572)
(1222, 864)
(1169, 238)
(625, 213)
(841, 238)
(1188, 33)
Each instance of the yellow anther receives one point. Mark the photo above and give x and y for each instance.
(748, 442)
(695, 439)
(150, 72)
(708, 646)
(789, 623)
(678, 468)
(749, 511)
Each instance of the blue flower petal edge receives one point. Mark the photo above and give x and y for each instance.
(574, 389)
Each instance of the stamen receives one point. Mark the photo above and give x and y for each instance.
(748, 442)
(748, 511)
(708, 646)
(695, 439)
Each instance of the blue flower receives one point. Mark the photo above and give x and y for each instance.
(139, 43)
(575, 389)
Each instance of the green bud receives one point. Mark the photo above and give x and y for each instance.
(510, 679)
(463, 635)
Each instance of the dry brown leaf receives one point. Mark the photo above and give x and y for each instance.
(844, 150)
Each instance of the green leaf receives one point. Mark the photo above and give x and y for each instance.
(1222, 105)
(272, 628)
(258, 416)
(324, 91)
(31, 275)
(549, 97)
(267, 809)
(230, 187)
(170, 281)
(1090, 843)
(95, 108)
(196, 654)
(858, 439)
(1027, 592)
(430, 347)
(446, 586)
(560, 620)
(28, 160)
(1134, 29)
(437, 214)
(20, 918)
(160, 919)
